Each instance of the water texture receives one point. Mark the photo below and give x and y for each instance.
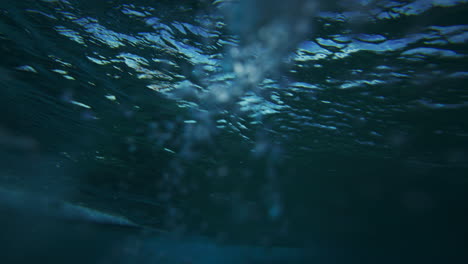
(335, 130)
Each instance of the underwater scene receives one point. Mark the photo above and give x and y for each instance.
(233, 131)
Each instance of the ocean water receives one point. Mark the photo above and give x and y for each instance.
(233, 131)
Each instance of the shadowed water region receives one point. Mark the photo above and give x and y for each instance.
(233, 131)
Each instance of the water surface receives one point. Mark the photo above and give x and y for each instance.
(336, 128)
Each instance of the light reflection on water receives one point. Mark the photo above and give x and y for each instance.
(206, 118)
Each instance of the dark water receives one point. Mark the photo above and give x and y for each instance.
(233, 131)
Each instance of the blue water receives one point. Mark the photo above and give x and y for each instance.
(233, 131)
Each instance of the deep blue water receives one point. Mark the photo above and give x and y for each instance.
(233, 131)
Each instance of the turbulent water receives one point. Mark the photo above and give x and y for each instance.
(324, 126)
